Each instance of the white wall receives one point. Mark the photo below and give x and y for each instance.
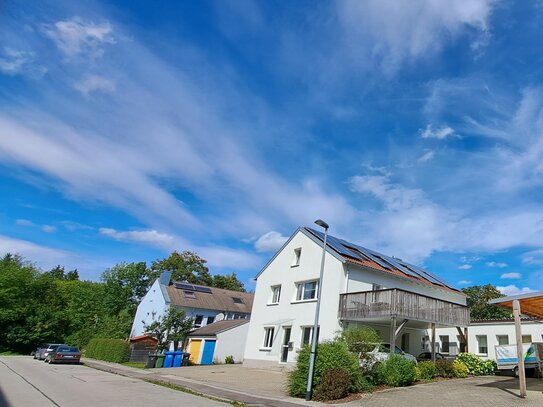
(288, 312)
(231, 343)
(152, 303)
(491, 330)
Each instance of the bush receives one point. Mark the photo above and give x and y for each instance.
(460, 369)
(397, 371)
(229, 360)
(428, 370)
(477, 366)
(360, 339)
(444, 368)
(334, 385)
(330, 355)
(110, 350)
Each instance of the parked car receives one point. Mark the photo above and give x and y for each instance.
(46, 349)
(381, 353)
(428, 356)
(64, 354)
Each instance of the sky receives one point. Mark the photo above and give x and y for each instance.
(130, 129)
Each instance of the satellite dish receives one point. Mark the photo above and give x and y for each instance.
(219, 317)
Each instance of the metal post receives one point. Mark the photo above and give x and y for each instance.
(520, 351)
(316, 324)
(433, 342)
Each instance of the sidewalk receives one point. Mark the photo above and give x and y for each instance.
(254, 387)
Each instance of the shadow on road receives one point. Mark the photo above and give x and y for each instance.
(3, 401)
(511, 385)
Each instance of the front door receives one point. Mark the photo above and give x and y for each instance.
(284, 348)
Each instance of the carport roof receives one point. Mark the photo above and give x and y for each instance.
(530, 304)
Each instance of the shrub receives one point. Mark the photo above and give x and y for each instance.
(397, 371)
(477, 366)
(110, 350)
(330, 355)
(334, 385)
(360, 338)
(428, 370)
(444, 368)
(460, 369)
(229, 360)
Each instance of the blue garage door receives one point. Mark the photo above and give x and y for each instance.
(207, 355)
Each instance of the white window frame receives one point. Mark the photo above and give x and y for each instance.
(526, 336)
(502, 336)
(478, 338)
(301, 289)
(296, 258)
(275, 294)
(441, 337)
(269, 332)
(198, 325)
(310, 327)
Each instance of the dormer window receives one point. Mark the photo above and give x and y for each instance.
(296, 259)
(189, 294)
(237, 300)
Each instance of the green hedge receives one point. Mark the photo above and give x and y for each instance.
(110, 350)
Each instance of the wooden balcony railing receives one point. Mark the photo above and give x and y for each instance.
(366, 305)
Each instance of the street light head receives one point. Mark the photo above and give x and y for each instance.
(322, 223)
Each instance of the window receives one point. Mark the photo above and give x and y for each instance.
(482, 344)
(296, 259)
(210, 320)
(526, 338)
(307, 334)
(268, 337)
(189, 294)
(307, 290)
(376, 287)
(502, 339)
(237, 300)
(198, 321)
(276, 294)
(444, 343)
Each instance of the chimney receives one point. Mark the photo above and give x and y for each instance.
(165, 278)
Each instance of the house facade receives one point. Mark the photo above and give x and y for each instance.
(204, 304)
(485, 335)
(359, 286)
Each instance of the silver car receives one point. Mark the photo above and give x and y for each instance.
(47, 349)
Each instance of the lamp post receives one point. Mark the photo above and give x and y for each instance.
(308, 392)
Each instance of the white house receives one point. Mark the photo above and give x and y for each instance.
(484, 335)
(204, 304)
(359, 286)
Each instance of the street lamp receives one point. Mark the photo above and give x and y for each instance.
(324, 225)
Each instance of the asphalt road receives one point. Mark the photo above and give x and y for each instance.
(25, 382)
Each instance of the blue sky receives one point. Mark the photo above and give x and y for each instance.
(128, 130)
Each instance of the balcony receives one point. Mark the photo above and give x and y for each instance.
(384, 304)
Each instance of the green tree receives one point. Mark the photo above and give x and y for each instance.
(477, 301)
(126, 284)
(228, 282)
(58, 272)
(185, 266)
(172, 326)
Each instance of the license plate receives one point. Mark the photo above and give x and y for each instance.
(68, 356)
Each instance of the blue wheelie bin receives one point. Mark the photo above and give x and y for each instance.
(178, 358)
(168, 359)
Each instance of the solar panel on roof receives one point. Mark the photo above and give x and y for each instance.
(397, 265)
(336, 244)
(430, 276)
(184, 286)
(202, 289)
(371, 255)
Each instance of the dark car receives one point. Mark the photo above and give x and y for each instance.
(47, 349)
(428, 356)
(64, 354)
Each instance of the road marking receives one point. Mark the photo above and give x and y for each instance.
(22, 377)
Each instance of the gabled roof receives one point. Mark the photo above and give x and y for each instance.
(210, 298)
(355, 254)
(218, 327)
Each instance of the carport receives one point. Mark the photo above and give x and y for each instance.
(527, 304)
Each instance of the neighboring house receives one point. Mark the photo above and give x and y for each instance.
(205, 304)
(360, 286)
(485, 335)
(214, 342)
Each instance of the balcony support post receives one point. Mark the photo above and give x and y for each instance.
(433, 342)
(392, 334)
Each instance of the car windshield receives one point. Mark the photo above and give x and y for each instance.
(53, 347)
(385, 347)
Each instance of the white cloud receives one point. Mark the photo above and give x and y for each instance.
(48, 228)
(465, 282)
(270, 242)
(29, 223)
(511, 276)
(14, 62)
(465, 266)
(95, 83)
(514, 290)
(24, 222)
(150, 237)
(77, 36)
(45, 257)
(440, 133)
(500, 265)
(427, 156)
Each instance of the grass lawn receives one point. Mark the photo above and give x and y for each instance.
(139, 365)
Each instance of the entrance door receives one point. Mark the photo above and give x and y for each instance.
(405, 343)
(194, 350)
(286, 340)
(207, 354)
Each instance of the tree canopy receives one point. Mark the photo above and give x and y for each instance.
(477, 301)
